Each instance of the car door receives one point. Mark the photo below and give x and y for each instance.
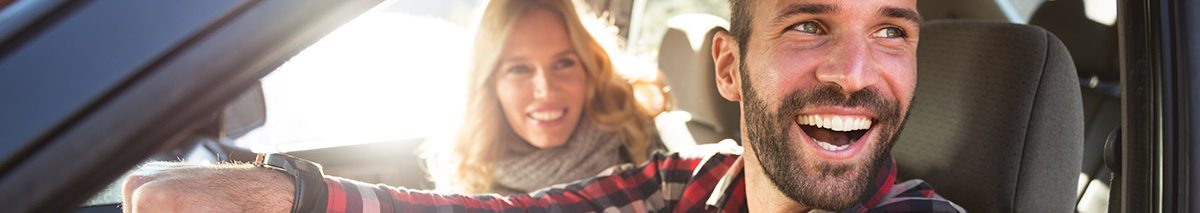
(1155, 161)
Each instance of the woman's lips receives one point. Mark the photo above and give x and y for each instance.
(547, 117)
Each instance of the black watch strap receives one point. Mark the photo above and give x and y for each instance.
(311, 192)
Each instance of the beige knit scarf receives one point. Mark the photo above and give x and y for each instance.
(525, 168)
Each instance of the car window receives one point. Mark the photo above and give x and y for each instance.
(396, 72)
(649, 20)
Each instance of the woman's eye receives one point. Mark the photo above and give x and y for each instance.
(889, 32)
(810, 27)
(518, 69)
(564, 63)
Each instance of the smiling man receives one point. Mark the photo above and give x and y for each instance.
(824, 87)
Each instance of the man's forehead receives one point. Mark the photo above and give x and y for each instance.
(902, 9)
(912, 4)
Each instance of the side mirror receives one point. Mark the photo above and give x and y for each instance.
(245, 113)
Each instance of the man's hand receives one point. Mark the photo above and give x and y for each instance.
(178, 187)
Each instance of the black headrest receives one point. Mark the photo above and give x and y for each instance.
(1093, 45)
(997, 119)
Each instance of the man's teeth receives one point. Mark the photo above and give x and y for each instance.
(835, 122)
(546, 115)
(831, 147)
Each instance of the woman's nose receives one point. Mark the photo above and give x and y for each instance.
(543, 86)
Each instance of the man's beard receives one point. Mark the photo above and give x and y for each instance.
(806, 179)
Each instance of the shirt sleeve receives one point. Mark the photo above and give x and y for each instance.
(636, 190)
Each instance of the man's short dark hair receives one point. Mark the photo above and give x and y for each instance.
(740, 16)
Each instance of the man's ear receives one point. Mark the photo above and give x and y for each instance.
(726, 60)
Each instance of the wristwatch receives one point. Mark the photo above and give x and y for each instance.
(310, 181)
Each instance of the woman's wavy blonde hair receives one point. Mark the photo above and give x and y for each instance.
(484, 134)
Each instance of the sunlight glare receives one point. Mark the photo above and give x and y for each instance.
(381, 77)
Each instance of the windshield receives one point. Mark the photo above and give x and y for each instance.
(396, 72)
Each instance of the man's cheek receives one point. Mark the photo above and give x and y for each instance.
(899, 76)
(784, 74)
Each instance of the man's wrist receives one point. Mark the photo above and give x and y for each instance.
(307, 178)
(263, 190)
(281, 189)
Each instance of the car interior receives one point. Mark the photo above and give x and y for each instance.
(1015, 103)
(959, 128)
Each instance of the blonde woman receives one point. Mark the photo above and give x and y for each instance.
(544, 107)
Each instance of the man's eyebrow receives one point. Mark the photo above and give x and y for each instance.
(795, 9)
(900, 13)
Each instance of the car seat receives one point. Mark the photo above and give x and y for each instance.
(997, 121)
(685, 58)
(1093, 46)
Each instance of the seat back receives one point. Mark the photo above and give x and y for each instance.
(1093, 47)
(997, 122)
(685, 58)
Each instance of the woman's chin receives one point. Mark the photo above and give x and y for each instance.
(547, 142)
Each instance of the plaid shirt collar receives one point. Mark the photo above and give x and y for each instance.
(732, 185)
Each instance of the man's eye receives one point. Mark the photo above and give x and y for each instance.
(564, 63)
(518, 69)
(810, 27)
(889, 32)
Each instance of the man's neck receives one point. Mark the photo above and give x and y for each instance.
(761, 194)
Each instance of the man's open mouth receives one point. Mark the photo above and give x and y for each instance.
(834, 132)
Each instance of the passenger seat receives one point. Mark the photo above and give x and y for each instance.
(685, 59)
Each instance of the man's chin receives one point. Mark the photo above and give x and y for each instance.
(824, 182)
(834, 185)
(830, 200)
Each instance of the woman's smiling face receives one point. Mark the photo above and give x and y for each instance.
(540, 80)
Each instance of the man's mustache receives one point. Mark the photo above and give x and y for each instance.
(833, 95)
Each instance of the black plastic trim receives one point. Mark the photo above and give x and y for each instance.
(1157, 111)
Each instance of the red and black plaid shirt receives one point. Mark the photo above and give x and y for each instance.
(674, 183)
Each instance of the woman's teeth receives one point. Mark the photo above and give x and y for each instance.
(835, 122)
(546, 115)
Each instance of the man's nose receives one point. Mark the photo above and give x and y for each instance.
(543, 86)
(850, 65)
